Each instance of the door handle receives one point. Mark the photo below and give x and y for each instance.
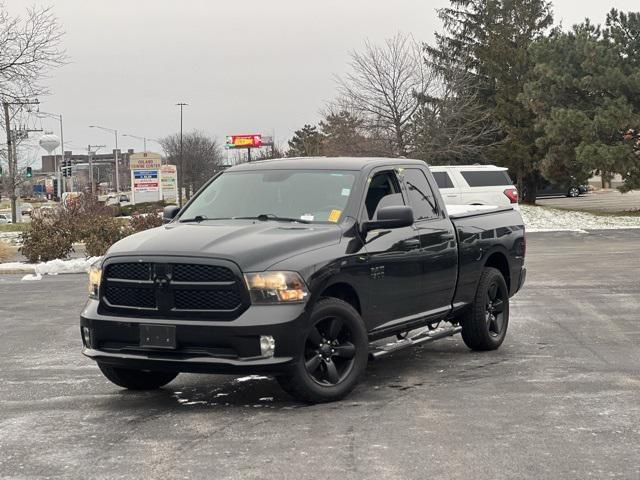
(411, 244)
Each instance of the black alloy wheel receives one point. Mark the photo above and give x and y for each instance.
(333, 356)
(329, 351)
(495, 309)
(484, 324)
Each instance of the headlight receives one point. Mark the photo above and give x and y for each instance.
(95, 275)
(276, 287)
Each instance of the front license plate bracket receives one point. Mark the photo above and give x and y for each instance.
(158, 336)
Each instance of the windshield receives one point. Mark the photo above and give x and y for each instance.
(305, 195)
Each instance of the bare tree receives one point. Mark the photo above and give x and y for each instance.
(452, 127)
(201, 159)
(29, 47)
(386, 86)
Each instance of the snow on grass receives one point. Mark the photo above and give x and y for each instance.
(544, 219)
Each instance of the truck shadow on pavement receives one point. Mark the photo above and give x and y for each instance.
(425, 367)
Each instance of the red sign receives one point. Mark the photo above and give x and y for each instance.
(244, 141)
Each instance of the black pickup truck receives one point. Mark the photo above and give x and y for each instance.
(299, 268)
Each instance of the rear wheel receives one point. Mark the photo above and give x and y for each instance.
(573, 192)
(136, 379)
(334, 354)
(484, 327)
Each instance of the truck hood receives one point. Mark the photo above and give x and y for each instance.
(252, 245)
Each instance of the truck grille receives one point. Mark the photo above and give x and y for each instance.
(173, 289)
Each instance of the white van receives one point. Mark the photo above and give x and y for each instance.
(475, 185)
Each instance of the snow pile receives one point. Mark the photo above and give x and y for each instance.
(543, 219)
(74, 265)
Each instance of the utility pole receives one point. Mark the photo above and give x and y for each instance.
(90, 154)
(181, 172)
(12, 157)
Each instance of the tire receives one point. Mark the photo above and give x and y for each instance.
(334, 354)
(573, 192)
(484, 327)
(136, 379)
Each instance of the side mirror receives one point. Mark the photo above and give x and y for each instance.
(169, 213)
(397, 216)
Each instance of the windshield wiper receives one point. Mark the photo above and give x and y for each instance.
(263, 217)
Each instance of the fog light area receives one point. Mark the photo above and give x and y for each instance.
(267, 345)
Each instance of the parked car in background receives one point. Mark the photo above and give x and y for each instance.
(547, 189)
(26, 209)
(5, 218)
(475, 185)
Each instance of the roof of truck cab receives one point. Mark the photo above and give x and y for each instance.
(324, 163)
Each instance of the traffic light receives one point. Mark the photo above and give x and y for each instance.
(29, 172)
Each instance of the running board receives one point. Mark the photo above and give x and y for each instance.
(424, 336)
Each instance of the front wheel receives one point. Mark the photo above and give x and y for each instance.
(485, 325)
(334, 354)
(573, 192)
(136, 379)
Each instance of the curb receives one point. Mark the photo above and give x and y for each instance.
(18, 270)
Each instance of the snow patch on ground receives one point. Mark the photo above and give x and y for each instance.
(251, 377)
(543, 219)
(31, 277)
(74, 265)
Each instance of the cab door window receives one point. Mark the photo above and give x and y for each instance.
(384, 191)
(421, 197)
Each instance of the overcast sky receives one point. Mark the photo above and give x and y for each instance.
(243, 66)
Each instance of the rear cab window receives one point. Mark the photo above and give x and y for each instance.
(486, 178)
(421, 197)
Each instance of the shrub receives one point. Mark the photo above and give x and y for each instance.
(99, 233)
(139, 208)
(144, 222)
(48, 238)
(84, 220)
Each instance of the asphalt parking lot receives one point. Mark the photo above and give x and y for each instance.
(609, 201)
(559, 400)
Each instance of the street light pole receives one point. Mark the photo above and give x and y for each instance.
(181, 173)
(144, 139)
(117, 160)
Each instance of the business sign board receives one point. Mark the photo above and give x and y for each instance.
(169, 183)
(244, 141)
(146, 160)
(145, 185)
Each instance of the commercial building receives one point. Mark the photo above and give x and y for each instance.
(104, 171)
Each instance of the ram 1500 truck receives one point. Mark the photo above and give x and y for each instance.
(300, 268)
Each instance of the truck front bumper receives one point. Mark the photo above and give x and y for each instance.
(202, 346)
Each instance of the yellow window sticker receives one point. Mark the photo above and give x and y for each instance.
(334, 216)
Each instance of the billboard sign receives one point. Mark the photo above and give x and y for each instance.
(169, 183)
(244, 141)
(146, 160)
